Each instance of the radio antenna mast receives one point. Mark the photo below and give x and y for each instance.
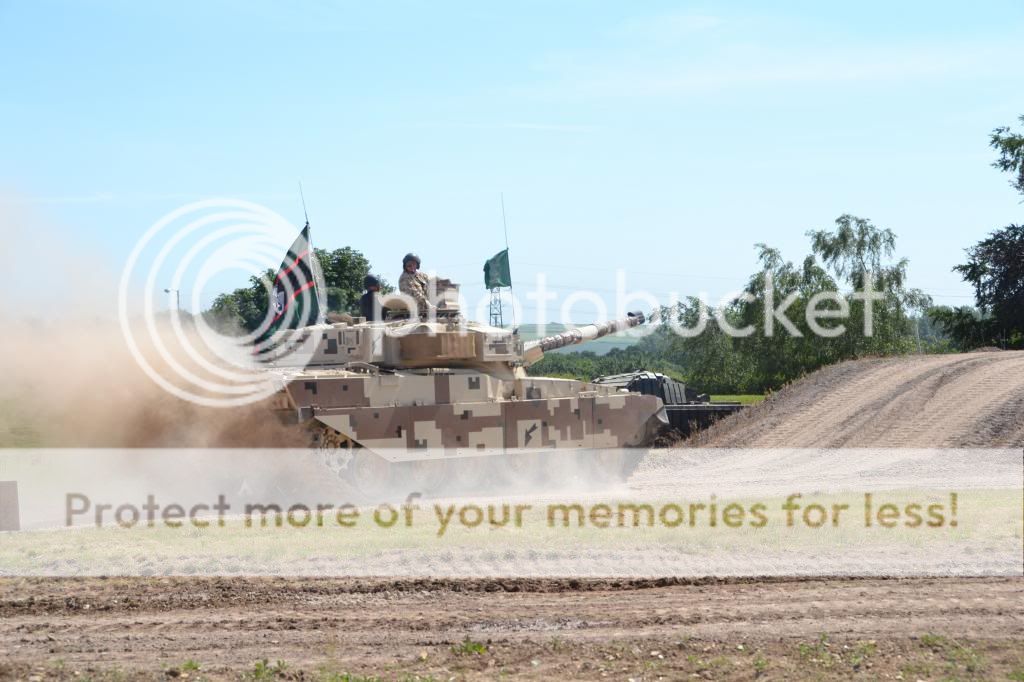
(303, 197)
(319, 287)
(504, 223)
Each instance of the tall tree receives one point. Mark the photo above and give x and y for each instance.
(1010, 146)
(344, 269)
(995, 268)
(243, 309)
(840, 262)
(855, 250)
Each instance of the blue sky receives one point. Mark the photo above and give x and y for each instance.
(663, 138)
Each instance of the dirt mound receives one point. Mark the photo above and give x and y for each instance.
(964, 400)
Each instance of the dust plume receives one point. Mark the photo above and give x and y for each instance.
(73, 383)
(67, 377)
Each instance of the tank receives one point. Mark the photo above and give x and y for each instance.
(447, 403)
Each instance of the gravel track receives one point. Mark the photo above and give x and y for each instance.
(539, 628)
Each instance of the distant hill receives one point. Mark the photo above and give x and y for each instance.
(529, 332)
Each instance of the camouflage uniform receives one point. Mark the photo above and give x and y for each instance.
(414, 284)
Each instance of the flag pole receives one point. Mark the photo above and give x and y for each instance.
(511, 293)
(314, 265)
(303, 198)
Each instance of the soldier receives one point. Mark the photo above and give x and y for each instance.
(368, 304)
(413, 283)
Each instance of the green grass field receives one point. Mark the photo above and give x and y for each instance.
(748, 399)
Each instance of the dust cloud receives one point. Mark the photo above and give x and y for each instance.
(73, 383)
(67, 377)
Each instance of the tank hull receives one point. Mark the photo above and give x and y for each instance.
(447, 413)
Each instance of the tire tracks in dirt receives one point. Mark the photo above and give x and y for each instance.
(963, 400)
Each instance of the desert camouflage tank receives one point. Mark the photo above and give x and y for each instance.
(446, 401)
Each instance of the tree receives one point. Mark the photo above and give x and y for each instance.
(995, 268)
(710, 361)
(966, 327)
(242, 310)
(855, 250)
(840, 262)
(1011, 154)
(587, 365)
(344, 270)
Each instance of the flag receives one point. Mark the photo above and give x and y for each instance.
(496, 272)
(296, 298)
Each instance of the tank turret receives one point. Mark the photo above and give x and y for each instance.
(442, 340)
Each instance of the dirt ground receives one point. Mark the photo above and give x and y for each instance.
(962, 400)
(349, 630)
(906, 629)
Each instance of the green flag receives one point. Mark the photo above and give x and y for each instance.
(496, 272)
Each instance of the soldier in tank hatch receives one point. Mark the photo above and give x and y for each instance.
(413, 283)
(369, 303)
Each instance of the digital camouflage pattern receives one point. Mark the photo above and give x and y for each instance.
(459, 411)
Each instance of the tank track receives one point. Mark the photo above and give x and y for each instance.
(543, 472)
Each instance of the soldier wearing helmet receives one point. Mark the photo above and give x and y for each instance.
(368, 304)
(413, 283)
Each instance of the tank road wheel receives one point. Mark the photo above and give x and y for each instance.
(369, 473)
(334, 449)
(607, 466)
(425, 476)
(521, 470)
(467, 474)
(323, 437)
(564, 468)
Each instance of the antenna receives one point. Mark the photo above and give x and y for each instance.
(303, 197)
(319, 286)
(504, 223)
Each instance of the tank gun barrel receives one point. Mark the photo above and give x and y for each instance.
(534, 350)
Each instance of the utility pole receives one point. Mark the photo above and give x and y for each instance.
(177, 298)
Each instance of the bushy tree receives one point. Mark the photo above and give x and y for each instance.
(995, 268)
(1010, 146)
(243, 309)
(966, 327)
(344, 270)
(767, 356)
(854, 251)
(587, 365)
